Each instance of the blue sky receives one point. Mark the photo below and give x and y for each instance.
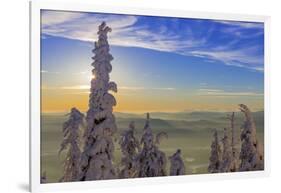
(206, 64)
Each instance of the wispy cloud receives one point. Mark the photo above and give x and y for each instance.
(168, 88)
(203, 84)
(52, 18)
(240, 57)
(241, 24)
(241, 29)
(77, 87)
(81, 26)
(223, 93)
(128, 31)
(48, 72)
(125, 33)
(210, 90)
(87, 87)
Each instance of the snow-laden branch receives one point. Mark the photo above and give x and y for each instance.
(251, 154)
(150, 161)
(71, 141)
(215, 157)
(227, 158)
(177, 165)
(130, 147)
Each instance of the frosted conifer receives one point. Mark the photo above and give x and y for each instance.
(151, 161)
(71, 141)
(129, 147)
(251, 154)
(234, 145)
(97, 157)
(177, 165)
(227, 159)
(215, 157)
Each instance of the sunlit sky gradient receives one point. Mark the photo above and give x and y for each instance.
(160, 63)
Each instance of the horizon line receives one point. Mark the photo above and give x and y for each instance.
(144, 112)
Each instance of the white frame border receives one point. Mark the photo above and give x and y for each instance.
(36, 6)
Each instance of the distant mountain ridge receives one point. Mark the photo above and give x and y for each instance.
(196, 115)
(191, 121)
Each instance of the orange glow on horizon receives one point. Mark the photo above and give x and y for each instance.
(63, 100)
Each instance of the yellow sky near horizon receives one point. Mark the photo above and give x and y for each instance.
(141, 101)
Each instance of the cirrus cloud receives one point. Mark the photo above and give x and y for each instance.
(237, 46)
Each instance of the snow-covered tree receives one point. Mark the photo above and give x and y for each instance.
(215, 157)
(71, 142)
(234, 144)
(227, 160)
(251, 154)
(151, 161)
(97, 156)
(130, 147)
(177, 165)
